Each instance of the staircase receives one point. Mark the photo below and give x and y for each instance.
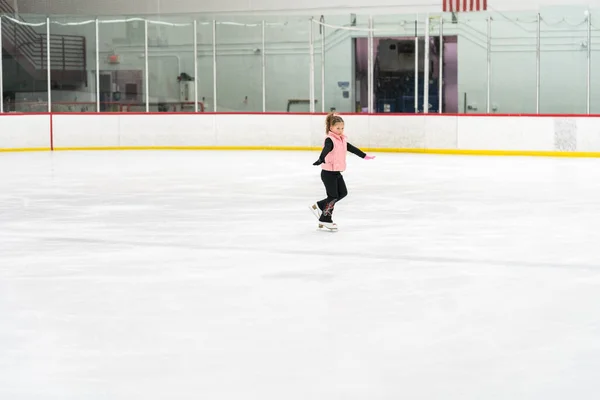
(68, 59)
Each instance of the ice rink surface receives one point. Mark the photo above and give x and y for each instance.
(201, 275)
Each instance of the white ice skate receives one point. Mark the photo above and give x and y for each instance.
(316, 210)
(329, 226)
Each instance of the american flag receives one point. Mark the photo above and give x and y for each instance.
(464, 5)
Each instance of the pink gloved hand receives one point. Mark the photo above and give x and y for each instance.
(367, 157)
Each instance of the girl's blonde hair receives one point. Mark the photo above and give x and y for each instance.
(331, 120)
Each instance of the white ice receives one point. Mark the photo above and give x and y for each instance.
(201, 275)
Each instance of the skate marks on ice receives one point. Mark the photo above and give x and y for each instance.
(332, 252)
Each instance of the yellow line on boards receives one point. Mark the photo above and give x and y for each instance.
(529, 153)
(24, 149)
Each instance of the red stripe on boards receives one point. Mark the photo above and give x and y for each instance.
(471, 5)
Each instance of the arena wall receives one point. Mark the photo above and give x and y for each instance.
(447, 134)
(113, 7)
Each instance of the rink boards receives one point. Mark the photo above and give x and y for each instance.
(447, 134)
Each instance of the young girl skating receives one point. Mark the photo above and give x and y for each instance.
(333, 163)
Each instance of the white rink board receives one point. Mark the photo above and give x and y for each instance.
(172, 130)
(24, 131)
(86, 131)
(262, 130)
(419, 132)
(509, 133)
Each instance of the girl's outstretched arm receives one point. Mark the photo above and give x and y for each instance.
(356, 150)
(359, 152)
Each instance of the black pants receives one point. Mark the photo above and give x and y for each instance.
(336, 191)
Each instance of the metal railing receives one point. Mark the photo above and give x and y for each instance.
(23, 42)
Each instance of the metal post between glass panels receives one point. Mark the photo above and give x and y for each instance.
(538, 63)
(48, 65)
(426, 72)
(195, 66)
(370, 67)
(146, 69)
(195, 41)
(489, 63)
(311, 84)
(589, 62)
(214, 45)
(441, 73)
(97, 66)
(416, 71)
(1, 73)
(322, 29)
(264, 68)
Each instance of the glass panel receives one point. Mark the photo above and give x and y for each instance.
(471, 31)
(239, 64)
(288, 61)
(205, 74)
(24, 64)
(595, 78)
(171, 65)
(122, 65)
(513, 86)
(73, 59)
(563, 72)
(339, 63)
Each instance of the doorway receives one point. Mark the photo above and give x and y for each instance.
(394, 74)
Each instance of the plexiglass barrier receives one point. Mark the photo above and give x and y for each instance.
(470, 62)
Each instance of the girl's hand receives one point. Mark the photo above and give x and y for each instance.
(367, 157)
